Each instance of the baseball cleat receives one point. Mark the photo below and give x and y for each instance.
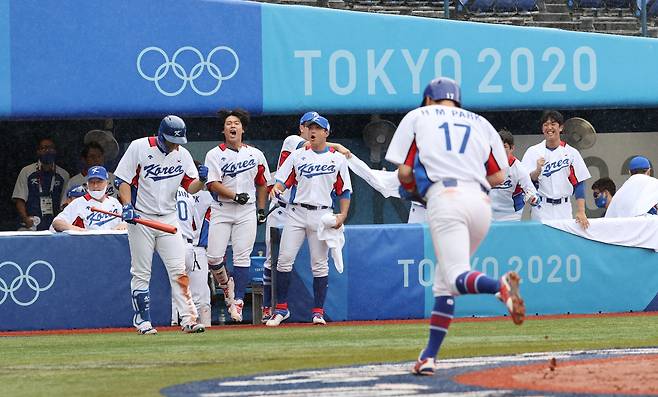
(277, 318)
(425, 367)
(193, 328)
(318, 319)
(147, 331)
(235, 310)
(267, 314)
(510, 296)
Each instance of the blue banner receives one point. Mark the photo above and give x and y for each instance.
(194, 56)
(63, 282)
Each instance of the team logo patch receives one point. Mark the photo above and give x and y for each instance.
(311, 170)
(387, 379)
(158, 173)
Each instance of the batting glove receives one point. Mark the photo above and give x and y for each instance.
(261, 217)
(203, 173)
(241, 198)
(128, 214)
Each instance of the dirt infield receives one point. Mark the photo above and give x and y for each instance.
(342, 323)
(620, 375)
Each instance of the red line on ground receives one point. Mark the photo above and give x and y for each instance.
(336, 324)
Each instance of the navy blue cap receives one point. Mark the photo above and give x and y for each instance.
(308, 116)
(97, 172)
(639, 163)
(321, 121)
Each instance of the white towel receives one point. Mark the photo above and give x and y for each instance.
(634, 198)
(335, 238)
(385, 182)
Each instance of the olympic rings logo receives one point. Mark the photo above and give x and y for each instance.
(180, 72)
(29, 280)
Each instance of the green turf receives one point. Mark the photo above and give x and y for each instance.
(123, 364)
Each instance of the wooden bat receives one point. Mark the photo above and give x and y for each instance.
(146, 222)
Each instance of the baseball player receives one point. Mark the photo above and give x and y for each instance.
(192, 210)
(638, 196)
(558, 171)
(452, 169)
(78, 214)
(148, 177)
(315, 173)
(237, 178)
(508, 198)
(603, 189)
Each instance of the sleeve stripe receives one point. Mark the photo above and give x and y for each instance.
(282, 158)
(260, 176)
(491, 165)
(292, 179)
(338, 185)
(186, 181)
(572, 176)
(411, 154)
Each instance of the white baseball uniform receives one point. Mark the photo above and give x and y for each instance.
(636, 197)
(451, 151)
(81, 180)
(154, 177)
(278, 217)
(192, 210)
(563, 170)
(239, 170)
(417, 213)
(508, 198)
(79, 213)
(311, 177)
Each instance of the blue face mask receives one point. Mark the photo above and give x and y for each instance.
(48, 157)
(601, 201)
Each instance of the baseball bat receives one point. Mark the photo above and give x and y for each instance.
(274, 208)
(146, 222)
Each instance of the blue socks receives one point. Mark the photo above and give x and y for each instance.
(282, 283)
(320, 285)
(241, 279)
(267, 287)
(476, 283)
(444, 308)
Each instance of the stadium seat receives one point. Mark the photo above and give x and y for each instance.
(591, 4)
(506, 6)
(652, 10)
(481, 5)
(526, 5)
(618, 4)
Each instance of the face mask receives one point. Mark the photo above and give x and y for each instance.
(97, 194)
(47, 158)
(601, 201)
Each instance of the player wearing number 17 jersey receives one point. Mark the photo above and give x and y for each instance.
(451, 157)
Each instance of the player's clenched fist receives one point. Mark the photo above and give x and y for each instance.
(128, 214)
(241, 198)
(203, 173)
(540, 164)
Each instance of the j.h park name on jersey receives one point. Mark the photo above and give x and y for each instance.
(311, 170)
(157, 173)
(99, 219)
(232, 169)
(555, 166)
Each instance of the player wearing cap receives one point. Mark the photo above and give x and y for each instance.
(315, 172)
(148, 177)
(78, 214)
(558, 171)
(638, 195)
(237, 178)
(452, 169)
(508, 198)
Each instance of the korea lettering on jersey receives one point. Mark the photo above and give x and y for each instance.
(79, 213)
(155, 175)
(509, 196)
(442, 142)
(290, 144)
(316, 176)
(239, 170)
(563, 169)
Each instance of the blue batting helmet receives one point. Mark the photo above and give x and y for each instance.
(308, 116)
(443, 88)
(172, 128)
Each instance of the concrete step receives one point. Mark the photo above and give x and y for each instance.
(552, 16)
(562, 8)
(615, 26)
(565, 25)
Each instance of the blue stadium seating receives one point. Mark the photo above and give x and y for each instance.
(506, 5)
(481, 5)
(591, 4)
(526, 5)
(617, 3)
